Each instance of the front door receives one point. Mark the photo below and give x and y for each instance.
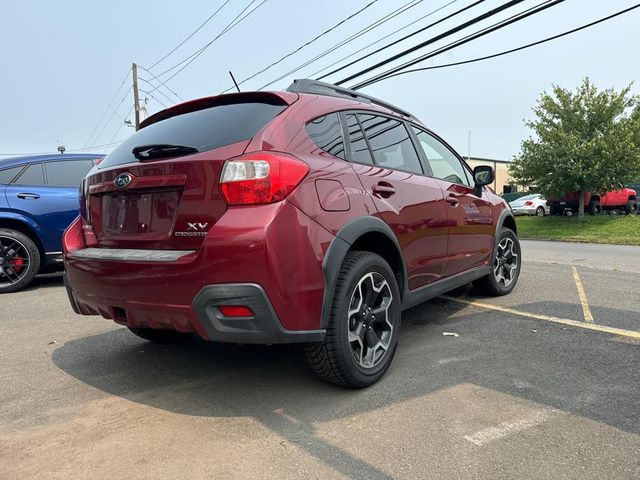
(472, 230)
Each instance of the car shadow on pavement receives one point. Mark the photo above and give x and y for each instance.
(541, 362)
(46, 280)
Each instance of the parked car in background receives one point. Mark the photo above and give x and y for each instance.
(534, 204)
(313, 215)
(38, 201)
(623, 199)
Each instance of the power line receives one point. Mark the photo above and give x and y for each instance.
(497, 26)
(444, 19)
(115, 111)
(404, 27)
(121, 125)
(152, 96)
(199, 52)
(160, 81)
(108, 107)
(169, 99)
(191, 34)
(356, 35)
(448, 33)
(513, 50)
(316, 38)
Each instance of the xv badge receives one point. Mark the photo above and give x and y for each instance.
(196, 227)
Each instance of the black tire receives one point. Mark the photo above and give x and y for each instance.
(17, 247)
(595, 208)
(157, 336)
(335, 360)
(540, 212)
(492, 284)
(632, 207)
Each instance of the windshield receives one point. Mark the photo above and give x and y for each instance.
(202, 130)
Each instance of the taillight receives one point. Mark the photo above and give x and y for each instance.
(528, 203)
(261, 177)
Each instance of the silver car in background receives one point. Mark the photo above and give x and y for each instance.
(534, 204)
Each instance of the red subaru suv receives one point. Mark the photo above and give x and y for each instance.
(313, 215)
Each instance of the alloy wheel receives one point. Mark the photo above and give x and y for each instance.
(14, 261)
(370, 323)
(505, 265)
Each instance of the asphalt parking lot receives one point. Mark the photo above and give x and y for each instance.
(543, 383)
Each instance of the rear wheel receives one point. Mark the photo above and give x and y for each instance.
(505, 268)
(364, 324)
(540, 211)
(632, 207)
(157, 336)
(595, 208)
(19, 260)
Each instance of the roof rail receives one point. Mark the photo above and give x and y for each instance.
(307, 85)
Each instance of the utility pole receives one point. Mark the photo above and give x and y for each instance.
(136, 98)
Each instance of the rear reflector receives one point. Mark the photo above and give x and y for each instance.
(235, 311)
(261, 177)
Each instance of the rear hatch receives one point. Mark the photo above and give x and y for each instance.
(159, 188)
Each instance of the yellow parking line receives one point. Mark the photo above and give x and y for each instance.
(548, 318)
(583, 296)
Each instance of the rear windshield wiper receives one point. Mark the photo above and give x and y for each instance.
(159, 150)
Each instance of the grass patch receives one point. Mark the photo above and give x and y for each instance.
(621, 230)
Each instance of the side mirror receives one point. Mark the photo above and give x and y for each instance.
(482, 175)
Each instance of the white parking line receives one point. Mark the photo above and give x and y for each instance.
(504, 429)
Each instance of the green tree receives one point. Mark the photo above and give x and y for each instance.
(587, 140)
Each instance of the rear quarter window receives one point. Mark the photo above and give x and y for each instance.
(205, 129)
(326, 133)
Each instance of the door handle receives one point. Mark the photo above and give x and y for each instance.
(28, 196)
(452, 198)
(383, 189)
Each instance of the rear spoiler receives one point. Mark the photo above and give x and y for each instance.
(274, 98)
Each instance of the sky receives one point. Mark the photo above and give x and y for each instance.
(64, 61)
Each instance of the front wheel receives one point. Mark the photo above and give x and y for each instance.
(19, 260)
(505, 268)
(540, 212)
(364, 324)
(632, 207)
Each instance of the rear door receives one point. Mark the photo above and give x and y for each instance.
(471, 229)
(387, 163)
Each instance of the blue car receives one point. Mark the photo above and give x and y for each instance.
(38, 201)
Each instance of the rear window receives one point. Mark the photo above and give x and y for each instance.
(203, 129)
(67, 173)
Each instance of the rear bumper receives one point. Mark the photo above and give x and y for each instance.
(273, 270)
(523, 210)
(206, 319)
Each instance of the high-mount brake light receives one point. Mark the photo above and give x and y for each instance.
(261, 177)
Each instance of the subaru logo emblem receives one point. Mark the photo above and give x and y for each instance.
(122, 180)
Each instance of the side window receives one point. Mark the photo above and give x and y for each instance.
(357, 144)
(67, 173)
(444, 164)
(390, 143)
(9, 174)
(33, 175)
(326, 133)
